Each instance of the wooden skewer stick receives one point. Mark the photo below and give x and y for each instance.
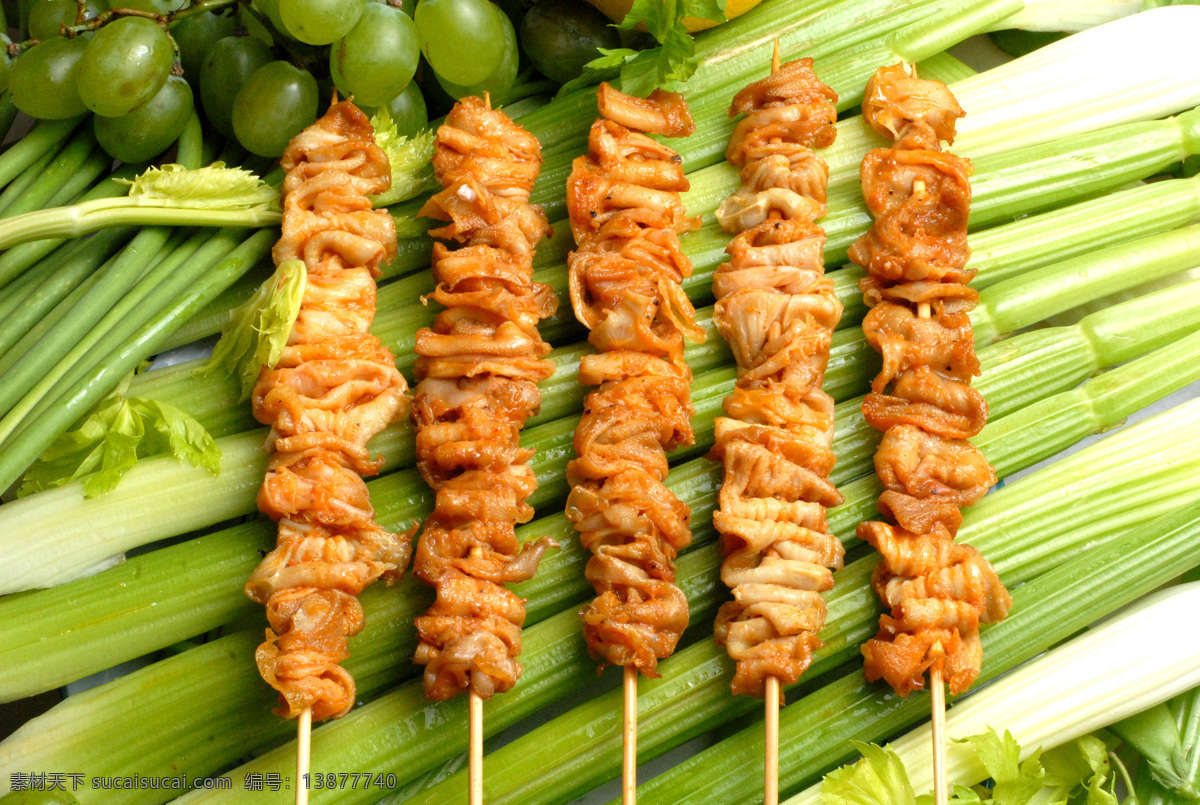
(629, 755)
(475, 752)
(771, 761)
(771, 697)
(938, 723)
(922, 307)
(303, 754)
(936, 684)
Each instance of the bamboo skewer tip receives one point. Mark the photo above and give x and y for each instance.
(771, 760)
(303, 754)
(629, 753)
(938, 724)
(475, 751)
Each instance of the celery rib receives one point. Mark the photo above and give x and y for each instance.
(697, 569)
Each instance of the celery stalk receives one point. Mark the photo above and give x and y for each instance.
(676, 698)
(1069, 15)
(68, 173)
(850, 368)
(21, 185)
(999, 253)
(170, 273)
(698, 568)
(1121, 666)
(15, 262)
(77, 261)
(47, 134)
(814, 732)
(35, 436)
(121, 277)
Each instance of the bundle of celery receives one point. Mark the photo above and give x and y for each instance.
(1008, 182)
(1057, 223)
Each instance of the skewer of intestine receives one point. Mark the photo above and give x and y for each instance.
(778, 311)
(625, 284)
(478, 371)
(916, 256)
(334, 388)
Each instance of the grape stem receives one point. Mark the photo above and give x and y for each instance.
(100, 20)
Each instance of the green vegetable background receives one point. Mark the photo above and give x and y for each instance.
(1085, 227)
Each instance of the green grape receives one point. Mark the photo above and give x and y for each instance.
(320, 22)
(560, 36)
(124, 65)
(408, 111)
(462, 39)
(148, 130)
(47, 16)
(42, 81)
(5, 60)
(270, 9)
(253, 25)
(513, 9)
(196, 35)
(500, 82)
(274, 105)
(226, 67)
(378, 57)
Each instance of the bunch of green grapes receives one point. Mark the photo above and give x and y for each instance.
(121, 72)
(258, 73)
(259, 70)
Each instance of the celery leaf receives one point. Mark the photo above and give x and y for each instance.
(407, 228)
(1075, 773)
(260, 327)
(1015, 782)
(669, 64)
(213, 187)
(1078, 771)
(114, 436)
(878, 778)
(411, 160)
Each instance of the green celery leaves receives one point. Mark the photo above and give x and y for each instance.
(667, 65)
(260, 327)
(410, 158)
(1074, 772)
(112, 439)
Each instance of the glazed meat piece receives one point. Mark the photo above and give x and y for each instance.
(918, 235)
(625, 285)
(478, 369)
(334, 388)
(777, 311)
(913, 112)
(916, 255)
(907, 341)
(940, 592)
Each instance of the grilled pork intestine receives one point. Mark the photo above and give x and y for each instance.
(334, 388)
(916, 255)
(625, 275)
(479, 366)
(778, 311)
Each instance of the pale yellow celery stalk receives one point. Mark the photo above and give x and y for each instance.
(1068, 15)
(1132, 69)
